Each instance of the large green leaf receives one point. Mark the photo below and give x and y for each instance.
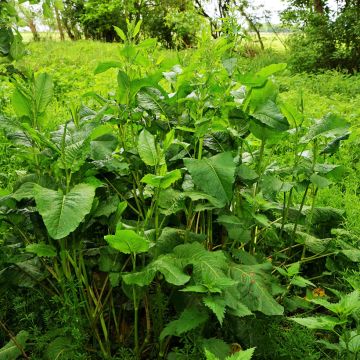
(60, 348)
(163, 181)
(41, 250)
(254, 284)
(123, 87)
(269, 115)
(11, 350)
(128, 242)
(21, 103)
(43, 91)
(167, 265)
(147, 149)
(331, 125)
(104, 66)
(320, 322)
(215, 176)
(189, 319)
(208, 266)
(63, 213)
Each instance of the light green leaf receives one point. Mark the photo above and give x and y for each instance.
(246, 173)
(11, 351)
(25, 191)
(17, 48)
(242, 355)
(210, 356)
(196, 196)
(215, 176)
(59, 5)
(21, 103)
(164, 181)
(217, 347)
(124, 84)
(104, 66)
(301, 282)
(217, 305)
(320, 181)
(62, 214)
(137, 28)
(294, 268)
(320, 322)
(128, 242)
(120, 33)
(43, 91)
(147, 149)
(330, 125)
(189, 319)
(169, 139)
(271, 69)
(41, 250)
(167, 265)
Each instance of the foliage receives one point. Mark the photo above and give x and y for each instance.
(327, 38)
(180, 203)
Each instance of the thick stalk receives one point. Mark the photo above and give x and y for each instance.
(136, 313)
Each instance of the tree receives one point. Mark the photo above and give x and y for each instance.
(223, 9)
(325, 38)
(29, 15)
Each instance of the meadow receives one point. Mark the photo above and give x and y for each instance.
(193, 204)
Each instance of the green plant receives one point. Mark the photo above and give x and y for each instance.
(192, 185)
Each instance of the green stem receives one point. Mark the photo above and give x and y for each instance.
(300, 210)
(136, 312)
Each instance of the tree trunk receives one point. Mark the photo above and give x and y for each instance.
(34, 31)
(319, 7)
(59, 24)
(252, 26)
(68, 29)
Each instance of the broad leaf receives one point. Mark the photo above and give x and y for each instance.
(269, 115)
(189, 319)
(147, 149)
(215, 176)
(164, 181)
(167, 265)
(63, 213)
(41, 250)
(320, 322)
(43, 91)
(331, 125)
(11, 350)
(21, 103)
(320, 181)
(104, 66)
(120, 33)
(128, 242)
(254, 288)
(208, 266)
(217, 305)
